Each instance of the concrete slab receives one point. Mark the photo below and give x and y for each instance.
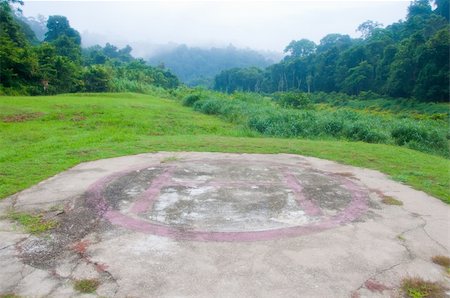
(225, 225)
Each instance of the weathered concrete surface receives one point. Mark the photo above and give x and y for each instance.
(225, 225)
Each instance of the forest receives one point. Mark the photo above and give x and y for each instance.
(407, 59)
(197, 66)
(58, 63)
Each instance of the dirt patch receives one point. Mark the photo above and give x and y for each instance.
(22, 117)
(77, 117)
(74, 224)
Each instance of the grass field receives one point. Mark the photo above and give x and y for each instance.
(41, 136)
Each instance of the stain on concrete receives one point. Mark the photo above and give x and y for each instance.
(227, 200)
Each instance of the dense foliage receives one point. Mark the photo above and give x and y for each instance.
(291, 114)
(197, 66)
(406, 59)
(58, 64)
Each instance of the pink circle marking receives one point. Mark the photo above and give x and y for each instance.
(355, 209)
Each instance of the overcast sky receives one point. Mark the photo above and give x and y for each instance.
(262, 25)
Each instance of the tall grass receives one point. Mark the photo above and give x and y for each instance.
(369, 101)
(265, 116)
(124, 85)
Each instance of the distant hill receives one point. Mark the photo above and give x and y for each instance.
(198, 66)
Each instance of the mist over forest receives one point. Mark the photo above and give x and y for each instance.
(197, 66)
(194, 66)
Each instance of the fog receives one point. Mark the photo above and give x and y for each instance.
(261, 25)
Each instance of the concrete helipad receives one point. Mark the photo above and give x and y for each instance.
(222, 225)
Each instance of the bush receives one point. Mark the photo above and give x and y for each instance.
(276, 125)
(191, 99)
(97, 78)
(405, 133)
(332, 126)
(209, 106)
(360, 131)
(422, 138)
(293, 100)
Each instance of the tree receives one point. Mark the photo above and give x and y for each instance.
(59, 26)
(94, 55)
(358, 78)
(433, 78)
(334, 40)
(97, 79)
(300, 48)
(239, 79)
(368, 28)
(67, 47)
(419, 8)
(442, 8)
(17, 62)
(60, 73)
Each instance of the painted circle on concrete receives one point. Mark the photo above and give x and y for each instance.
(226, 200)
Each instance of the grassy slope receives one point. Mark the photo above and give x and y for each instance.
(76, 128)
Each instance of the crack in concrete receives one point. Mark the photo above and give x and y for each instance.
(5, 247)
(429, 236)
(53, 289)
(403, 243)
(83, 257)
(410, 255)
(377, 273)
(111, 277)
(22, 276)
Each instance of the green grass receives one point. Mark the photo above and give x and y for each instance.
(33, 224)
(418, 288)
(86, 285)
(84, 127)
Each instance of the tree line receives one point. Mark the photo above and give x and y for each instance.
(197, 66)
(407, 59)
(59, 64)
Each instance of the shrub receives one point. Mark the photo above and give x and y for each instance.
(360, 131)
(284, 124)
(293, 100)
(97, 78)
(191, 99)
(332, 126)
(419, 137)
(209, 106)
(405, 133)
